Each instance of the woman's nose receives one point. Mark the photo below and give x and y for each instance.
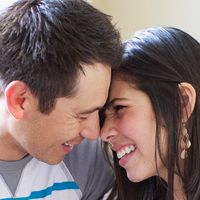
(108, 130)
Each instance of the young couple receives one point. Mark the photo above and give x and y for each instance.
(56, 59)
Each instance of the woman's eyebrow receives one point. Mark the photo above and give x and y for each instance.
(114, 100)
(117, 99)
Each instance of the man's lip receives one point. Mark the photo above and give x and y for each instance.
(75, 142)
(71, 144)
(67, 149)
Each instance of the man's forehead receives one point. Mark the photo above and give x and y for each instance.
(90, 110)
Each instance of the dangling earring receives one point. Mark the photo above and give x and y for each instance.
(109, 149)
(109, 146)
(185, 143)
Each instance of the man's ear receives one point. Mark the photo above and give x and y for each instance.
(188, 100)
(15, 96)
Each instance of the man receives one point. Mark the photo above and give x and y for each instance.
(55, 69)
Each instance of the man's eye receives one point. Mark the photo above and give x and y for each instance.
(83, 117)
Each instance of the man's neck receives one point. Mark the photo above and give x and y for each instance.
(9, 151)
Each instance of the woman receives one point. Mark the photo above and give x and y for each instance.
(152, 119)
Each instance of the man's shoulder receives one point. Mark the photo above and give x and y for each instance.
(88, 167)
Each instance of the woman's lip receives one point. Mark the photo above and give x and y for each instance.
(119, 147)
(125, 159)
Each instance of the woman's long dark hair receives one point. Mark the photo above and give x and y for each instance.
(156, 60)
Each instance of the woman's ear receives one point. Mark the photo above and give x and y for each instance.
(15, 96)
(188, 100)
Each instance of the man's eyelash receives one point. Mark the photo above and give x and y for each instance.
(83, 117)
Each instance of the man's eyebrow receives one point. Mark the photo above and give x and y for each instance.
(90, 110)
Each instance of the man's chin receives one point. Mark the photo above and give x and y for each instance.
(51, 161)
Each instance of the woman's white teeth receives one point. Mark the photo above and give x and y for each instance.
(124, 151)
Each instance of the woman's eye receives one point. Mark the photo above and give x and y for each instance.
(118, 107)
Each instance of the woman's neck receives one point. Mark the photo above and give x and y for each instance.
(179, 193)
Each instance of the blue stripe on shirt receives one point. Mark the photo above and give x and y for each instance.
(48, 191)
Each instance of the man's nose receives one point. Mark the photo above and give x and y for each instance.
(91, 129)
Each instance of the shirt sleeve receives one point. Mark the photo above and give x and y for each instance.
(90, 170)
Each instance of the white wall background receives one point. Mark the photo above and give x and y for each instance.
(5, 3)
(132, 15)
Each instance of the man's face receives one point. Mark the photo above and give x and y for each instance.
(50, 137)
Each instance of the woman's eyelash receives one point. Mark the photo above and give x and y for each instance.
(118, 107)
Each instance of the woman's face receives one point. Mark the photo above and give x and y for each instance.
(130, 127)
